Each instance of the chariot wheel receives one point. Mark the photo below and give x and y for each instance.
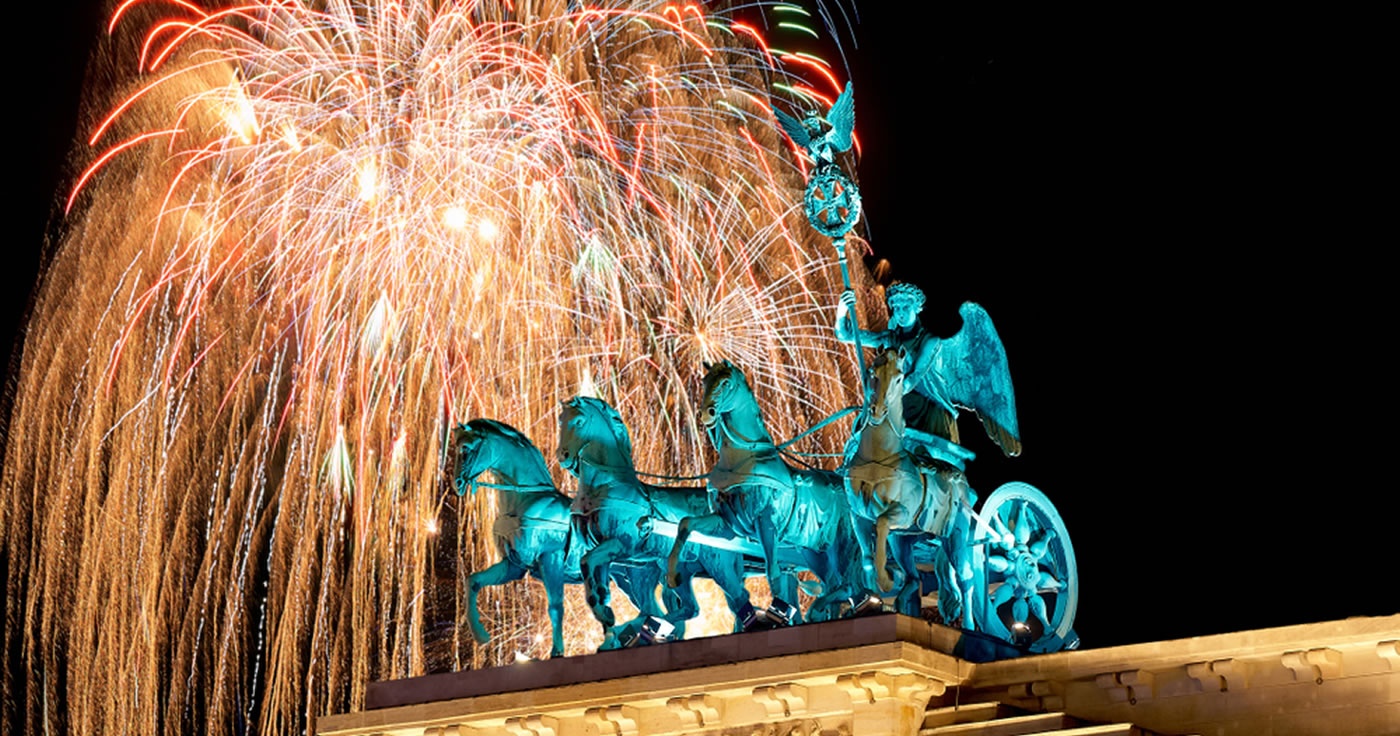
(1031, 583)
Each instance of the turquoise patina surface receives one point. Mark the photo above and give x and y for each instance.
(898, 516)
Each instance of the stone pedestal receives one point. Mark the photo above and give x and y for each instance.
(895, 675)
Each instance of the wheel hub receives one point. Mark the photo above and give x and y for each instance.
(1027, 571)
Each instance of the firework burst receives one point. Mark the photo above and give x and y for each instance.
(311, 236)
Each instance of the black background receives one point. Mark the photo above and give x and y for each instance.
(1172, 221)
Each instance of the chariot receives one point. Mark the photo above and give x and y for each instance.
(1006, 568)
(895, 526)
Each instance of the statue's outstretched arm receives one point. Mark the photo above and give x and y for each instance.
(844, 333)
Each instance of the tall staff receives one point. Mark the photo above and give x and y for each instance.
(832, 201)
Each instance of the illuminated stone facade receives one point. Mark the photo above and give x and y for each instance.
(895, 675)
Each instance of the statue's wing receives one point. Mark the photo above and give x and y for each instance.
(972, 370)
(843, 119)
(793, 127)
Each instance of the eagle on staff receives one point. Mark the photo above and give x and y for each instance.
(821, 147)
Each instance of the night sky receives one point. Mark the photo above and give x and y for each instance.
(1193, 312)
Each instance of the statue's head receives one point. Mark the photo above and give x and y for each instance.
(905, 302)
(812, 121)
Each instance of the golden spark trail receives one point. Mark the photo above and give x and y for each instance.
(307, 238)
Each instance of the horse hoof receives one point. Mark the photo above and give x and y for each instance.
(481, 636)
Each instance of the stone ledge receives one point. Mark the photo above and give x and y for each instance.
(1367, 633)
(673, 657)
(880, 675)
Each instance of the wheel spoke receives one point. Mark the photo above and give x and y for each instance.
(1020, 610)
(1038, 608)
(1042, 545)
(1002, 594)
(1023, 526)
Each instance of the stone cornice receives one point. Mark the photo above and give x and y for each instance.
(883, 674)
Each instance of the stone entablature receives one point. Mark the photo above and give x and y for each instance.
(1336, 677)
(896, 675)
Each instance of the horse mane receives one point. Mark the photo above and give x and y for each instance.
(883, 357)
(614, 421)
(742, 382)
(511, 436)
(502, 430)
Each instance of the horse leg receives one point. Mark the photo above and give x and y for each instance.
(786, 590)
(727, 570)
(595, 565)
(864, 530)
(498, 574)
(843, 571)
(894, 516)
(552, 570)
(673, 578)
(643, 594)
(909, 602)
(833, 586)
(958, 572)
(882, 535)
(681, 605)
(708, 524)
(783, 587)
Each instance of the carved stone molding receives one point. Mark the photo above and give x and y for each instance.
(1038, 695)
(1390, 652)
(1220, 675)
(536, 725)
(871, 687)
(1314, 664)
(1232, 684)
(697, 711)
(889, 703)
(620, 720)
(1130, 686)
(786, 699)
(802, 727)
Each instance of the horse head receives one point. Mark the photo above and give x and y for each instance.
(485, 444)
(729, 410)
(464, 450)
(885, 387)
(717, 396)
(589, 425)
(724, 392)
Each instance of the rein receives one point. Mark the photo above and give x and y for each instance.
(512, 486)
(474, 483)
(740, 441)
(829, 419)
(745, 443)
(518, 487)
